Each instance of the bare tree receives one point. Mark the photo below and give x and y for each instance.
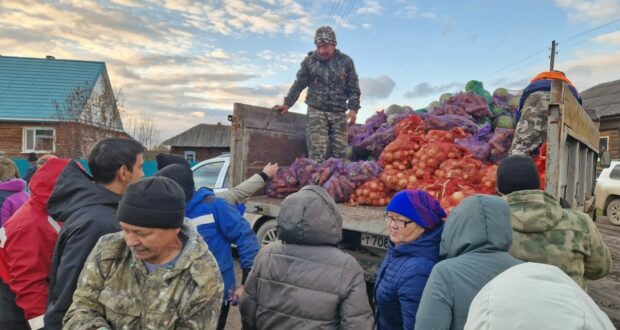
(141, 127)
(84, 118)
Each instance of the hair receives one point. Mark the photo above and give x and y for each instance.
(109, 155)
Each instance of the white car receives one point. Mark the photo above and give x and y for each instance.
(607, 192)
(213, 173)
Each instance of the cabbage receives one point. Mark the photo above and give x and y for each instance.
(501, 93)
(444, 96)
(504, 121)
(394, 109)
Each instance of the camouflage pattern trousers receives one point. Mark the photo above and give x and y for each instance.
(531, 131)
(326, 129)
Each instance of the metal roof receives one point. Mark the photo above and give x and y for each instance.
(202, 135)
(603, 98)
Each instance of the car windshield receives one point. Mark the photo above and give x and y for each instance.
(207, 174)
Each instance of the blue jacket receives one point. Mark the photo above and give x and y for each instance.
(220, 224)
(401, 280)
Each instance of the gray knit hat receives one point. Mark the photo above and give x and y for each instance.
(154, 202)
(325, 35)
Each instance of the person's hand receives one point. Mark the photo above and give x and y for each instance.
(271, 169)
(282, 108)
(352, 115)
(239, 291)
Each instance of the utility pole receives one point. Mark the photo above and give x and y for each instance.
(552, 57)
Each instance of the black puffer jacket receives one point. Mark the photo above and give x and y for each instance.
(303, 281)
(88, 212)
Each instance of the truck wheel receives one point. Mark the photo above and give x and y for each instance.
(267, 233)
(613, 212)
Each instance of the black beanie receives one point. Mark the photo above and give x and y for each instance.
(164, 160)
(182, 175)
(154, 202)
(517, 173)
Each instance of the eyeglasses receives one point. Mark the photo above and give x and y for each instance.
(399, 223)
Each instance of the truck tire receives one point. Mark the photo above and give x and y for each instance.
(613, 212)
(267, 233)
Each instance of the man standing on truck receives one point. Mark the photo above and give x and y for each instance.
(531, 131)
(333, 87)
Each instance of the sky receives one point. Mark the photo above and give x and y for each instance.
(185, 62)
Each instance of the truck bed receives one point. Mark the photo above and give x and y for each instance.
(357, 218)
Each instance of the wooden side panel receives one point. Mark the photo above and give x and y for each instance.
(11, 138)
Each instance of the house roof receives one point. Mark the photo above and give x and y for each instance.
(603, 98)
(29, 86)
(202, 135)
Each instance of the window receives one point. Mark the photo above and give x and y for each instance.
(190, 156)
(207, 174)
(227, 180)
(615, 173)
(603, 141)
(39, 139)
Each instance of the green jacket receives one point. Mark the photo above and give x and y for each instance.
(116, 292)
(333, 85)
(546, 233)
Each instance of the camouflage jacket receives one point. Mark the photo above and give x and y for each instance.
(116, 292)
(333, 85)
(531, 130)
(546, 233)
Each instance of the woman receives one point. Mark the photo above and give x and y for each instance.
(415, 221)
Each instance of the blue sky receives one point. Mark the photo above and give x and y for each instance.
(184, 62)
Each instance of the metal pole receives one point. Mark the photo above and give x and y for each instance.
(552, 63)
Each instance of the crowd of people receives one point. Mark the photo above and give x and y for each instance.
(110, 249)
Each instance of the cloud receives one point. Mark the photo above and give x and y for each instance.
(612, 38)
(409, 11)
(429, 15)
(592, 69)
(425, 89)
(379, 87)
(449, 27)
(197, 114)
(371, 7)
(590, 11)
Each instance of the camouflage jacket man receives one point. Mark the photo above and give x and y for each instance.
(546, 233)
(333, 85)
(115, 290)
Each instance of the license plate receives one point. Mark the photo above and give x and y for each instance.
(376, 241)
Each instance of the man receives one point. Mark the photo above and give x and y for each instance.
(531, 130)
(333, 87)
(88, 210)
(26, 253)
(156, 274)
(220, 224)
(303, 281)
(545, 232)
(475, 242)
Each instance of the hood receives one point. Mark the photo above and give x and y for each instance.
(14, 185)
(198, 199)
(310, 217)
(534, 211)
(481, 223)
(181, 174)
(74, 190)
(43, 181)
(534, 296)
(426, 246)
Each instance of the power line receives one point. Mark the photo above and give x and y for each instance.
(333, 16)
(348, 10)
(590, 30)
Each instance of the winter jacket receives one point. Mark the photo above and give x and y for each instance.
(475, 242)
(220, 224)
(88, 211)
(401, 280)
(535, 296)
(12, 196)
(303, 281)
(333, 85)
(246, 189)
(545, 232)
(115, 290)
(28, 244)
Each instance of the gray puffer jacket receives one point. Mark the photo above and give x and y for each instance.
(303, 281)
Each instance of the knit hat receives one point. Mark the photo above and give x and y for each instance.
(517, 173)
(419, 207)
(325, 35)
(182, 175)
(8, 169)
(164, 160)
(154, 202)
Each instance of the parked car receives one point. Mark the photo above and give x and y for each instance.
(607, 193)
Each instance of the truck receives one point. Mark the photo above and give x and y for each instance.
(261, 135)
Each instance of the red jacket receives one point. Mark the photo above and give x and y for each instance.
(27, 243)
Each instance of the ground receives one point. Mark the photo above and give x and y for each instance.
(604, 291)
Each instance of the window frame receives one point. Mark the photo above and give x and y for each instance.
(189, 153)
(27, 129)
